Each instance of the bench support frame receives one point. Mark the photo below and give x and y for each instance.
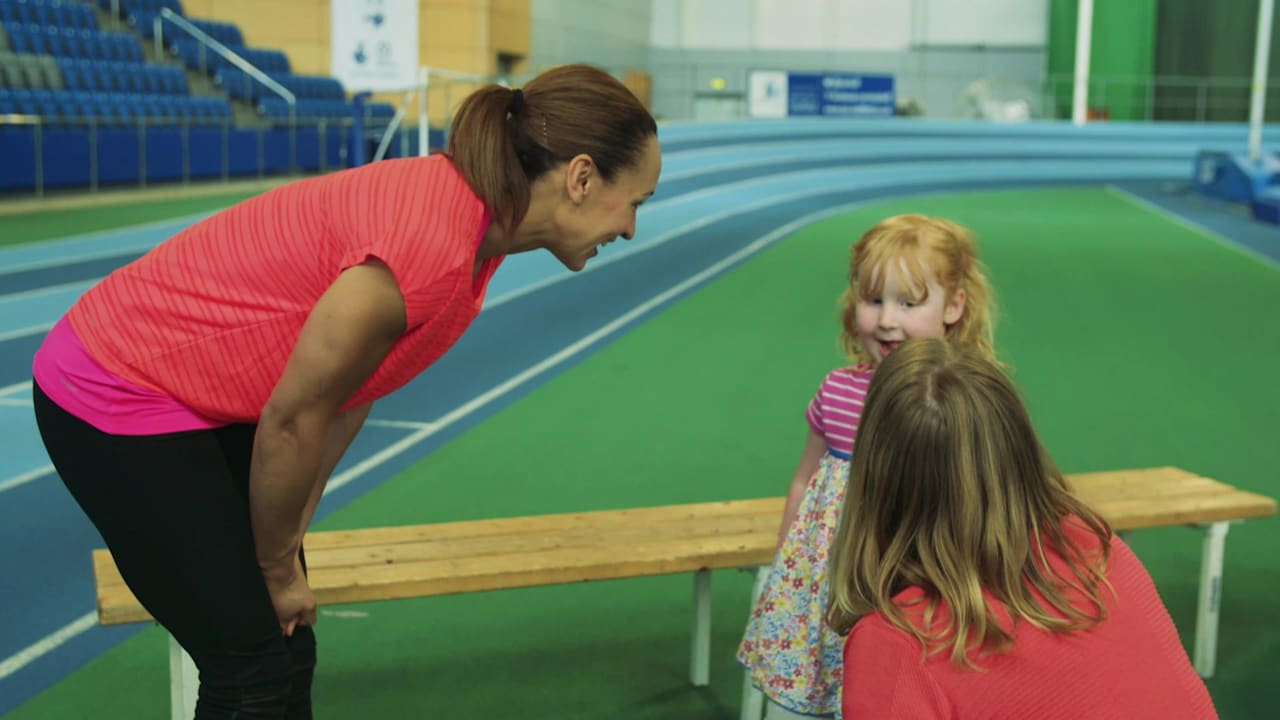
(1209, 602)
(184, 679)
(184, 682)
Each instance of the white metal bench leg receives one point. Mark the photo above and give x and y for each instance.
(700, 655)
(1208, 606)
(184, 682)
(752, 698)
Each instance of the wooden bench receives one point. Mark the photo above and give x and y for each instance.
(422, 560)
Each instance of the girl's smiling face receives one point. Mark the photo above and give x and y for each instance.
(903, 309)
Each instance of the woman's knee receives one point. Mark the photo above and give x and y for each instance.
(257, 683)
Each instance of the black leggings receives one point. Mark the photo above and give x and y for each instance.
(174, 511)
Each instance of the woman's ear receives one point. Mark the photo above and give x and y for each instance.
(579, 177)
(954, 310)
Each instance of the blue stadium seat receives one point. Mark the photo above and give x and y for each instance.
(72, 75)
(35, 40)
(110, 80)
(40, 15)
(136, 75)
(84, 110)
(18, 37)
(53, 43)
(59, 15)
(23, 99)
(94, 76)
(145, 23)
(165, 81)
(150, 80)
(68, 108)
(96, 46)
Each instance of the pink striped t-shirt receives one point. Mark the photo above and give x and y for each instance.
(837, 407)
(209, 317)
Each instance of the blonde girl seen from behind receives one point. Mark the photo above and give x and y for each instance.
(969, 579)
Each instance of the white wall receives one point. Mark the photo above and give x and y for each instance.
(613, 34)
(934, 48)
(1019, 23)
(847, 25)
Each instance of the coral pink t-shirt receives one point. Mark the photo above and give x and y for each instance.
(209, 318)
(1131, 665)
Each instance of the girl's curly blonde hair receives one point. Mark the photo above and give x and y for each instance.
(928, 249)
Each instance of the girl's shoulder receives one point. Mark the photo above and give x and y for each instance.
(852, 381)
(860, 373)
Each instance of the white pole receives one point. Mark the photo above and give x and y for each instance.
(1084, 40)
(1258, 103)
(423, 131)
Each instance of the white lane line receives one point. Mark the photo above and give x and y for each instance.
(26, 331)
(1191, 225)
(75, 259)
(14, 389)
(46, 645)
(24, 478)
(81, 285)
(398, 424)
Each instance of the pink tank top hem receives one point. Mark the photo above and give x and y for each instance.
(69, 375)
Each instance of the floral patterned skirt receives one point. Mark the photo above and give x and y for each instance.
(793, 657)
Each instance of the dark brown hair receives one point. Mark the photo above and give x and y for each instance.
(504, 139)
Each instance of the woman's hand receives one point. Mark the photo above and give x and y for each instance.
(345, 338)
(291, 597)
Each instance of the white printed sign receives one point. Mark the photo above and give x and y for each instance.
(375, 43)
(767, 94)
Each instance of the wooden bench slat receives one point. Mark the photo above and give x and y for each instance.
(494, 572)
(603, 562)
(1177, 486)
(563, 541)
(1129, 478)
(600, 520)
(674, 520)
(561, 533)
(1137, 514)
(468, 556)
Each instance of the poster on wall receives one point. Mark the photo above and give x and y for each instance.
(777, 93)
(767, 94)
(375, 43)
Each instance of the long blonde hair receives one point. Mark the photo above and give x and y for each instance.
(951, 492)
(928, 247)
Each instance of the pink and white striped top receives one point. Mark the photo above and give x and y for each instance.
(837, 407)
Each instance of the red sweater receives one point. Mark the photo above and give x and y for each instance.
(1132, 665)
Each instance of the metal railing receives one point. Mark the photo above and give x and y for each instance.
(208, 41)
(421, 92)
(715, 91)
(229, 164)
(1161, 98)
